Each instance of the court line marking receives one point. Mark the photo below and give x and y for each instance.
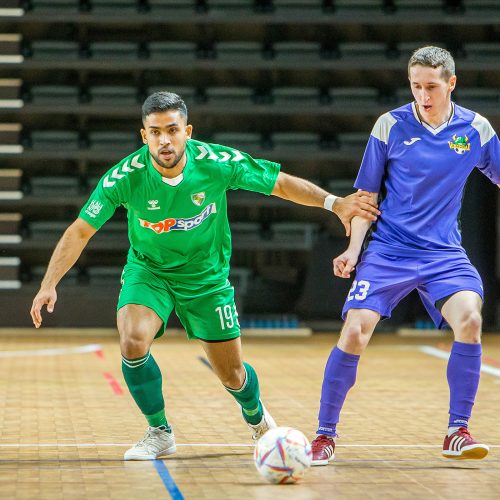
(52, 352)
(114, 384)
(167, 480)
(209, 445)
(439, 353)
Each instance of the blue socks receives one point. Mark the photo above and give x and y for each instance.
(464, 367)
(340, 375)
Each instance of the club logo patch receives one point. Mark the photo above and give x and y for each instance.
(94, 208)
(198, 198)
(460, 144)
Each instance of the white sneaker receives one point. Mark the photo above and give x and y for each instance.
(263, 426)
(155, 443)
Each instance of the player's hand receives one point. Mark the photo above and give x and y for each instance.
(43, 297)
(356, 204)
(345, 263)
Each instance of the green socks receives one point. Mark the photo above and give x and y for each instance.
(248, 396)
(143, 378)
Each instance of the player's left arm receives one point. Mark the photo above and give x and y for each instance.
(303, 192)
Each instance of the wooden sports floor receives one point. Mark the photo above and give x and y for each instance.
(66, 418)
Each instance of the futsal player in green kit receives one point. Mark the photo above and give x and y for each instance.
(174, 189)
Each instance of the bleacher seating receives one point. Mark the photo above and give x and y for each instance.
(300, 82)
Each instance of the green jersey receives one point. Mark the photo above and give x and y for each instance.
(179, 231)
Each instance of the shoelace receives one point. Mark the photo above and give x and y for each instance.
(464, 432)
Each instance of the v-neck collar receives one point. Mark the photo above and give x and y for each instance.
(169, 181)
(431, 129)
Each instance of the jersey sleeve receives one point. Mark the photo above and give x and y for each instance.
(102, 203)
(372, 168)
(254, 175)
(489, 163)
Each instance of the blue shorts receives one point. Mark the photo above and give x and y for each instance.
(382, 281)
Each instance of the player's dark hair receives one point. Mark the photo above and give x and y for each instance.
(160, 102)
(434, 57)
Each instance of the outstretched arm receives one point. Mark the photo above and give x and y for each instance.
(345, 263)
(66, 253)
(304, 192)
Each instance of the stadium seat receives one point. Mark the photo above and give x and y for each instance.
(169, 6)
(298, 5)
(483, 51)
(9, 270)
(353, 140)
(231, 6)
(297, 51)
(113, 6)
(245, 141)
(54, 186)
(113, 95)
(10, 93)
(55, 6)
(229, 96)
(357, 6)
(404, 95)
(482, 6)
(354, 96)
(430, 7)
(104, 275)
(113, 140)
(477, 96)
(296, 140)
(38, 272)
(406, 49)
(296, 96)
(240, 278)
(113, 50)
(368, 50)
(239, 51)
(66, 140)
(180, 51)
(55, 49)
(10, 182)
(55, 94)
(47, 230)
(294, 235)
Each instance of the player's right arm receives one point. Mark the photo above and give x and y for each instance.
(345, 263)
(66, 253)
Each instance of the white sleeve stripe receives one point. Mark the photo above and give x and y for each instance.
(482, 125)
(382, 127)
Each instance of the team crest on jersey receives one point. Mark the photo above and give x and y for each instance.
(460, 144)
(94, 208)
(198, 199)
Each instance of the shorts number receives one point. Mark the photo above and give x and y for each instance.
(228, 316)
(362, 289)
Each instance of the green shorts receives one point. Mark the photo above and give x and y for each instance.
(206, 311)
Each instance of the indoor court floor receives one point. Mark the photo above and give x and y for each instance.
(67, 418)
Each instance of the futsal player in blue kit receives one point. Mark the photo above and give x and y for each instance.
(417, 160)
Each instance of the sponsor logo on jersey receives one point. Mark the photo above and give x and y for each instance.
(153, 205)
(198, 199)
(166, 225)
(94, 208)
(413, 140)
(460, 144)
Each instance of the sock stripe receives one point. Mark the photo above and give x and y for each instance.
(136, 363)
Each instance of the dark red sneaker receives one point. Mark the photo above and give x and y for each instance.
(323, 448)
(462, 446)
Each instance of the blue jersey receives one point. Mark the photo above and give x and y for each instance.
(421, 174)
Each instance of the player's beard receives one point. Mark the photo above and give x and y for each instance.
(173, 163)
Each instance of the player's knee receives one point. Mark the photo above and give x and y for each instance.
(354, 339)
(133, 345)
(471, 324)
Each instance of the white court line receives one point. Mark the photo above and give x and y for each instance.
(439, 353)
(52, 352)
(209, 445)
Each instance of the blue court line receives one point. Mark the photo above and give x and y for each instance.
(168, 480)
(205, 361)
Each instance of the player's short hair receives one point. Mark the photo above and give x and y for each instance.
(434, 57)
(160, 102)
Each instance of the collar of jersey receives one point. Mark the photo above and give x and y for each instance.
(433, 130)
(160, 177)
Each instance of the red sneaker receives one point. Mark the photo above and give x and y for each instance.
(462, 446)
(322, 450)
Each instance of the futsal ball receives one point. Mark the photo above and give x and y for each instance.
(282, 455)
